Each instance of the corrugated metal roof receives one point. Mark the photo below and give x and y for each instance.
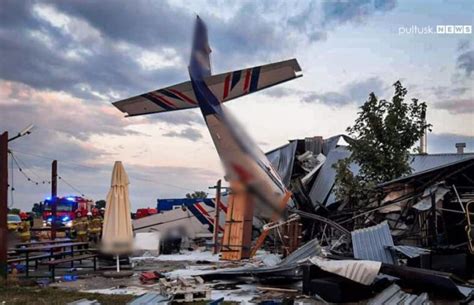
(282, 160)
(373, 243)
(395, 295)
(422, 165)
(322, 189)
(327, 175)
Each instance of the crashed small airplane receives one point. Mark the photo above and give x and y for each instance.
(243, 161)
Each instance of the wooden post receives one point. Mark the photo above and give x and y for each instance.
(275, 217)
(433, 220)
(236, 243)
(54, 197)
(216, 217)
(3, 204)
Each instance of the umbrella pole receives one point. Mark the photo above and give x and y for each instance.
(118, 264)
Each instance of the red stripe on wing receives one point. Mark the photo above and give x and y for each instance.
(162, 98)
(226, 86)
(184, 97)
(222, 206)
(247, 80)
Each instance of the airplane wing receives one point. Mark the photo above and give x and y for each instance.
(225, 86)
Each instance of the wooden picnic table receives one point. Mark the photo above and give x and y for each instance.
(49, 229)
(51, 248)
(44, 242)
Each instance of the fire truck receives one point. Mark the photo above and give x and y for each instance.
(65, 209)
(145, 212)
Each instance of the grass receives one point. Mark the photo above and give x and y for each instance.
(55, 296)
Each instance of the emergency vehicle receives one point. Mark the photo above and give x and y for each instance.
(65, 209)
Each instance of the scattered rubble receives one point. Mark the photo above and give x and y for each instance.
(185, 290)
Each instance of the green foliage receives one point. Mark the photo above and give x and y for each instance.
(37, 209)
(382, 136)
(100, 204)
(14, 211)
(197, 195)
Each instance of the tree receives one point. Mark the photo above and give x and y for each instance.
(14, 211)
(100, 204)
(37, 209)
(382, 136)
(197, 195)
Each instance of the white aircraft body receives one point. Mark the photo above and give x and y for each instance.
(242, 159)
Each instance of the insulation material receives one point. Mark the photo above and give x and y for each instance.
(425, 203)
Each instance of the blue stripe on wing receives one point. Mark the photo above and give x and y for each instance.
(156, 101)
(254, 79)
(235, 78)
(202, 219)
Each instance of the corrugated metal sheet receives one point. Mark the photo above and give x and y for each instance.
(363, 272)
(288, 267)
(410, 251)
(325, 180)
(395, 295)
(373, 243)
(421, 163)
(150, 298)
(282, 160)
(425, 163)
(332, 142)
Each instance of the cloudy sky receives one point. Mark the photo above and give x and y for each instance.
(62, 63)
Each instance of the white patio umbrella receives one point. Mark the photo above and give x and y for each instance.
(117, 235)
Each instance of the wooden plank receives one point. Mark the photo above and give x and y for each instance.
(275, 217)
(277, 289)
(237, 239)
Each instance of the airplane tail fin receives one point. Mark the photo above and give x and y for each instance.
(200, 64)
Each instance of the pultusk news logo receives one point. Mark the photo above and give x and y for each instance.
(438, 29)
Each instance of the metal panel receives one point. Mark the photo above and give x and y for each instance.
(327, 174)
(150, 298)
(322, 191)
(422, 164)
(363, 272)
(395, 295)
(331, 143)
(84, 302)
(373, 243)
(288, 268)
(410, 251)
(282, 160)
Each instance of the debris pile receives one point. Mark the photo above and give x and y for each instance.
(185, 290)
(413, 242)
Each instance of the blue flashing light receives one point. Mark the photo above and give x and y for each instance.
(66, 218)
(50, 219)
(48, 198)
(71, 198)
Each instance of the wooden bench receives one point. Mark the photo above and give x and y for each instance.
(53, 263)
(39, 257)
(31, 258)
